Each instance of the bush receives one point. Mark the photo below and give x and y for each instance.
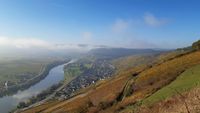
(21, 105)
(196, 45)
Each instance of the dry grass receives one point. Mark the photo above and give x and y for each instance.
(103, 93)
(155, 78)
(42, 107)
(109, 91)
(188, 102)
(128, 62)
(161, 74)
(105, 96)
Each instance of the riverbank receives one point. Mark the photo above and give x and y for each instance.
(51, 81)
(48, 98)
(44, 72)
(48, 93)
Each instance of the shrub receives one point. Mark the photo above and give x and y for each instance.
(22, 105)
(196, 45)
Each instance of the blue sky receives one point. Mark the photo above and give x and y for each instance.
(117, 23)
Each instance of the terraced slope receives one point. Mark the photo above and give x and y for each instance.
(181, 95)
(151, 80)
(184, 82)
(128, 87)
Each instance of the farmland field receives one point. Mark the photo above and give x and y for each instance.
(18, 70)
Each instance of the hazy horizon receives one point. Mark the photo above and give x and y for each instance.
(39, 25)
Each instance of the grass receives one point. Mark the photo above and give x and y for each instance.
(151, 80)
(147, 82)
(127, 62)
(16, 70)
(75, 69)
(79, 67)
(162, 74)
(187, 80)
(88, 66)
(72, 71)
(11, 71)
(40, 108)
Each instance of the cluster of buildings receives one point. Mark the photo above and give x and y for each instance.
(99, 70)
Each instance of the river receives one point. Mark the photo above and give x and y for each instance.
(8, 103)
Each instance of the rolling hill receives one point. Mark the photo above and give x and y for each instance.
(111, 53)
(169, 84)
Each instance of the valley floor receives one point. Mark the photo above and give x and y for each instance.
(168, 85)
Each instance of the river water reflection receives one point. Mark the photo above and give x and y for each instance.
(7, 103)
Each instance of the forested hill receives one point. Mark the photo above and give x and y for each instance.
(110, 53)
(170, 84)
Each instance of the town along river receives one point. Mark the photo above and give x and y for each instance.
(8, 103)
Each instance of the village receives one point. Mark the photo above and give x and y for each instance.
(99, 70)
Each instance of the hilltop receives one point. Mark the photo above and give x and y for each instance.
(168, 82)
(111, 53)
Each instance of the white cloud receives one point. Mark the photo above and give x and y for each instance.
(24, 95)
(33, 43)
(151, 20)
(23, 42)
(120, 25)
(87, 35)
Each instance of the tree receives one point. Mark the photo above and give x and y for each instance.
(196, 45)
(21, 105)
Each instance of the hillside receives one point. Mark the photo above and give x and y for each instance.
(22, 72)
(111, 53)
(183, 93)
(168, 82)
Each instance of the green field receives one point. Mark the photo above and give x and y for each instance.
(77, 68)
(186, 81)
(71, 72)
(18, 70)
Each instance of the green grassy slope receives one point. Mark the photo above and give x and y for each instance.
(169, 74)
(187, 80)
(71, 72)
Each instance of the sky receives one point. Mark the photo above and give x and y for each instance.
(75, 24)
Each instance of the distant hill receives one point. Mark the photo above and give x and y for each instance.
(169, 84)
(128, 91)
(110, 53)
